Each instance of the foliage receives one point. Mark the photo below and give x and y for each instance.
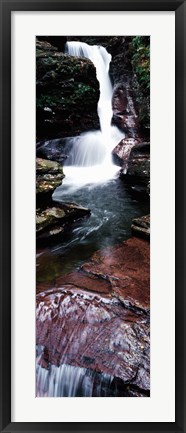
(79, 94)
(140, 59)
(65, 83)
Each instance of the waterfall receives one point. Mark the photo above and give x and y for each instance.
(90, 160)
(101, 60)
(70, 381)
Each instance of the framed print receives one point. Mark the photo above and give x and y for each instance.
(92, 219)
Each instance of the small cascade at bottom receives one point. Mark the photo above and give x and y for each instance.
(70, 381)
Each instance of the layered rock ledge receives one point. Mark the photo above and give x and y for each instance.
(98, 317)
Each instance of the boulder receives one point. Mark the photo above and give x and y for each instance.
(52, 221)
(49, 175)
(122, 151)
(141, 226)
(138, 170)
(57, 149)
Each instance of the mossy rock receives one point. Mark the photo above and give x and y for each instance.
(48, 217)
(56, 218)
(67, 93)
(47, 166)
(49, 175)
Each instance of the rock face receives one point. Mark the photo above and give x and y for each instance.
(130, 72)
(98, 319)
(122, 152)
(125, 114)
(49, 175)
(56, 150)
(141, 226)
(67, 93)
(55, 219)
(138, 170)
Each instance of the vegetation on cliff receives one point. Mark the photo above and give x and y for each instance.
(140, 59)
(67, 93)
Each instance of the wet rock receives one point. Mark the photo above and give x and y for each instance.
(49, 175)
(56, 150)
(122, 151)
(126, 268)
(125, 114)
(141, 226)
(44, 166)
(52, 221)
(139, 161)
(48, 182)
(121, 271)
(48, 217)
(97, 318)
(86, 330)
(138, 170)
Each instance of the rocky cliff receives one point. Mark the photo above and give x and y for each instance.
(67, 92)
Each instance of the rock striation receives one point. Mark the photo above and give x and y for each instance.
(97, 319)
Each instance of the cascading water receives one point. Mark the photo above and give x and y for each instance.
(69, 381)
(92, 150)
(101, 60)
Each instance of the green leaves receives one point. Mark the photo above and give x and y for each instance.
(140, 50)
(140, 59)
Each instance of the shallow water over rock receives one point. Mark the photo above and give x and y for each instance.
(102, 330)
(112, 210)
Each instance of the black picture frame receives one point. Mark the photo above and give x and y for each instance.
(6, 7)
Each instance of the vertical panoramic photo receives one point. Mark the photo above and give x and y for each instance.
(92, 216)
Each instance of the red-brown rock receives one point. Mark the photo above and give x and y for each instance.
(89, 331)
(97, 318)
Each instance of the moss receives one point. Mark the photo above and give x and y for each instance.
(49, 175)
(47, 166)
(72, 94)
(48, 217)
(50, 100)
(139, 49)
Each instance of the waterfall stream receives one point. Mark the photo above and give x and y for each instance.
(101, 60)
(90, 160)
(69, 381)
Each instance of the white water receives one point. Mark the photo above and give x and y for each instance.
(69, 381)
(101, 60)
(90, 161)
